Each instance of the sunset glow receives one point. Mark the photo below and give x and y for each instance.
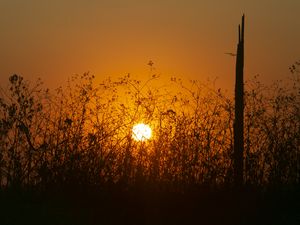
(56, 39)
(141, 132)
(149, 112)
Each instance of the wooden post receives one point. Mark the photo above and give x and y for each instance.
(238, 128)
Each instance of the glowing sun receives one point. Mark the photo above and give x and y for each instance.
(141, 132)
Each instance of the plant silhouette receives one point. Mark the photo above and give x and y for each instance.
(239, 109)
(82, 134)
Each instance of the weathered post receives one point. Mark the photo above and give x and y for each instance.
(238, 127)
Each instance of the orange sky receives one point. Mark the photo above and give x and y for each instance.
(185, 38)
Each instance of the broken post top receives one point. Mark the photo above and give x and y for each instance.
(241, 34)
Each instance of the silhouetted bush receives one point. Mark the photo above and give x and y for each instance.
(80, 135)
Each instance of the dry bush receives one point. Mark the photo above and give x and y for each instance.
(80, 135)
(272, 132)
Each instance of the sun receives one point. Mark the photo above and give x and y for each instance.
(141, 132)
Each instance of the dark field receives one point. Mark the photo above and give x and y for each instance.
(136, 206)
(69, 157)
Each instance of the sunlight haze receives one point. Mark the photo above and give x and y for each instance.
(56, 39)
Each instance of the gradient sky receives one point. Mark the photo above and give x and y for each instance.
(186, 38)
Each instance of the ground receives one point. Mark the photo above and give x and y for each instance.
(151, 207)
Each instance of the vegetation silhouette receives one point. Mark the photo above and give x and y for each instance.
(77, 142)
(238, 127)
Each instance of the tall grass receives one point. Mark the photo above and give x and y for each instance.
(80, 135)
